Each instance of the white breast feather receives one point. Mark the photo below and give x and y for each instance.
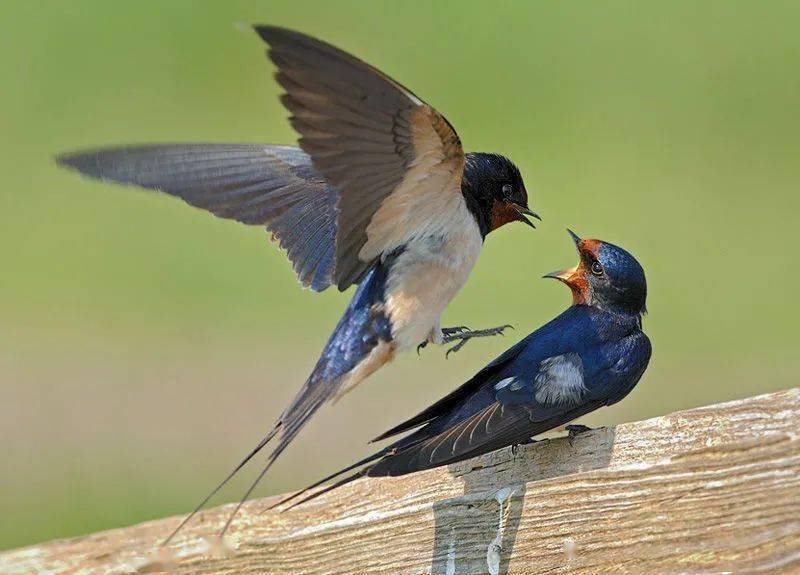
(433, 267)
(560, 380)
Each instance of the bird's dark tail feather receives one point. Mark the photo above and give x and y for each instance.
(358, 474)
(261, 444)
(367, 465)
(310, 398)
(289, 425)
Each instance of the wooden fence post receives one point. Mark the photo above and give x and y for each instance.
(708, 490)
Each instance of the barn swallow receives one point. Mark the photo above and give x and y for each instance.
(380, 194)
(591, 355)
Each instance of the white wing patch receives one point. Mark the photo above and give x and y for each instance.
(503, 383)
(560, 380)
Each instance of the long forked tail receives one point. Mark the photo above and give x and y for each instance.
(360, 344)
(261, 444)
(311, 397)
(360, 473)
(367, 467)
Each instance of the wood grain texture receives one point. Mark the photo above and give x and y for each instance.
(709, 490)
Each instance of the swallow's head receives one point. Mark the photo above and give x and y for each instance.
(606, 276)
(495, 192)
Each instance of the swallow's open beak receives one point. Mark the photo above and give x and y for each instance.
(525, 211)
(566, 276)
(574, 277)
(575, 238)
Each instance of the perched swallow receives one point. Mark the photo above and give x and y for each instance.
(591, 355)
(380, 194)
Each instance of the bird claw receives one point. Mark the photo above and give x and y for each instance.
(446, 332)
(462, 334)
(455, 348)
(450, 331)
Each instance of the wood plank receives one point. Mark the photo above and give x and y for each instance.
(708, 490)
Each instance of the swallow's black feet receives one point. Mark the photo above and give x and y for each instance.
(462, 335)
(452, 331)
(446, 331)
(576, 430)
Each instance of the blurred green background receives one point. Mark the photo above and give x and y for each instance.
(145, 346)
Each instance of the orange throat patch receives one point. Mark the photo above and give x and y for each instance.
(502, 214)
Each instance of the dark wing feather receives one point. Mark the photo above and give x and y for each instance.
(256, 184)
(381, 146)
(447, 404)
(494, 427)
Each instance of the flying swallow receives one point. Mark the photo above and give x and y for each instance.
(380, 194)
(591, 355)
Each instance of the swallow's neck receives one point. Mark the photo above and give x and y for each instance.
(617, 315)
(477, 205)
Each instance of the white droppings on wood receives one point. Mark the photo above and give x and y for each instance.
(493, 552)
(450, 568)
(570, 550)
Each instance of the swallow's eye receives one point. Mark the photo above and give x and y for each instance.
(597, 269)
(507, 190)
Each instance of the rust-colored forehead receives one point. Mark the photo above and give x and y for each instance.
(591, 246)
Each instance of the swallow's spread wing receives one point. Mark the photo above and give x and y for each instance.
(257, 184)
(396, 161)
(385, 165)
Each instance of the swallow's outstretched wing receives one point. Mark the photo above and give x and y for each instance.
(396, 161)
(257, 184)
(380, 164)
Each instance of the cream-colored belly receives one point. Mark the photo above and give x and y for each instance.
(425, 278)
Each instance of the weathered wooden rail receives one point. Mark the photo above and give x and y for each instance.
(709, 490)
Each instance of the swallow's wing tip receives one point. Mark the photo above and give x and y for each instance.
(270, 33)
(75, 161)
(61, 160)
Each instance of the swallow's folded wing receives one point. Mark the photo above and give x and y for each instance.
(257, 184)
(520, 404)
(451, 401)
(396, 161)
